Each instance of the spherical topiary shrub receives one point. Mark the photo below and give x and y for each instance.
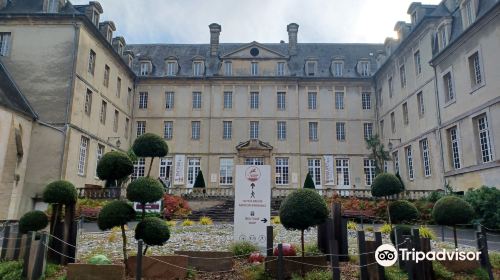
(33, 221)
(62, 192)
(144, 190)
(452, 210)
(404, 229)
(153, 231)
(114, 165)
(115, 214)
(386, 184)
(403, 211)
(150, 145)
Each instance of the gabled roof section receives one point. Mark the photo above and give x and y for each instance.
(254, 144)
(11, 97)
(248, 47)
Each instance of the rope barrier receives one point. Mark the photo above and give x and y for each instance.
(62, 241)
(48, 247)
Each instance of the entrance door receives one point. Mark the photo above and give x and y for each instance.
(193, 169)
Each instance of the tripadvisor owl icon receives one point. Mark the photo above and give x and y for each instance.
(386, 255)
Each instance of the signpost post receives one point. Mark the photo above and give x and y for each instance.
(252, 204)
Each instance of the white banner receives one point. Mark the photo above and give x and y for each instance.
(180, 161)
(252, 204)
(329, 175)
(153, 207)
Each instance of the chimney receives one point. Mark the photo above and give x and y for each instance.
(292, 29)
(215, 30)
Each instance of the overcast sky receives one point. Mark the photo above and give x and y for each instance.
(321, 21)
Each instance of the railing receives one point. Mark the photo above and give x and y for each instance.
(99, 193)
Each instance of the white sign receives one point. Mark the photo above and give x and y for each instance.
(329, 176)
(252, 204)
(213, 178)
(179, 169)
(153, 207)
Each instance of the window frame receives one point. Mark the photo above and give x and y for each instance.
(87, 107)
(282, 168)
(369, 171)
(314, 169)
(169, 100)
(367, 130)
(5, 41)
(312, 100)
(226, 168)
(140, 128)
(340, 131)
(454, 147)
(339, 100)
(417, 59)
(313, 131)
(228, 68)
(254, 130)
(409, 163)
(168, 130)
(281, 130)
(254, 100)
(227, 100)
(420, 104)
(143, 100)
(195, 130)
(343, 172)
(366, 100)
(227, 130)
(104, 109)
(196, 100)
(254, 68)
(92, 62)
(426, 157)
(280, 68)
(83, 153)
(281, 100)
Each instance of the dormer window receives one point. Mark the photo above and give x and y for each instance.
(468, 8)
(442, 37)
(198, 68)
(120, 48)
(52, 6)
(109, 34)
(254, 69)
(171, 68)
(311, 68)
(145, 68)
(414, 18)
(130, 61)
(364, 68)
(95, 18)
(338, 68)
(280, 69)
(228, 68)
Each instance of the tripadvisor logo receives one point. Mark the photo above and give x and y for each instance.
(386, 255)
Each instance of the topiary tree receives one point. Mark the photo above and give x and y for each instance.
(33, 221)
(150, 145)
(60, 192)
(199, 182)
(309, 183)
(403, 211)
(385, 185)
(486, 203)
(401, 180)
(114, 167)
(153, 231)
(301, 210)
(144, 190)
(116, 214)
(452, 210)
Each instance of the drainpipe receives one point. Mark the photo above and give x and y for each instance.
(438, 113)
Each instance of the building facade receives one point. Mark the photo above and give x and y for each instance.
(431, 95)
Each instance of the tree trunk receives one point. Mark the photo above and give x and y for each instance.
(150, 166)
(124, 240)
(302, 241)
(388, 212)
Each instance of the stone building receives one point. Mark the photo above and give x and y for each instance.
(431, 94)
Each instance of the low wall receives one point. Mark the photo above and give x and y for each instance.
(78, 271)
(161, 267)
(292, 265)
(209, 261)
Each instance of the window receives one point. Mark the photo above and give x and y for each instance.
(339, 100)
(442, 37)
(426, 159)
(280, 70)
(454, 143)
(98, 156)
(382, 129)
(141, 128)
(197, 68)
(228, 68)
(144, 68)
(448, 87)
(405, 113)
(118, 87)
(340, 131)
(195, 130)
(409, 162)
(414, 18)
(393, 123)
(88, 102)
(368, 130)
(311, 68)
(402, 75)
(420, 103)
(171, 68)
(484, 139)
(194, 166)
(314, 169)
(139, 168)
(366, 100)
(254, 100)
(169, 100)
(254, 161)
(165, 169)
(475, 69)
(338, 68)
(313, 131)
(281, 101)
(4, 43)
(102, 116)
(129, 98)
(227, 130)
(254, 130)
(115, 121)
(95, 18)
(418, 64)
(281, 130)
(226, 171)
(91, 67)
(281, 171)
(168, 130)
(311, 100)
(391, 86)
(228, 100)
(369, 167)
(365, 68)
(82, 158)
(196, 100)
(342, 169)
(106, 76)
(254, 69)
(143, 100)
(468, 13)
(395, 158)
(127, 123)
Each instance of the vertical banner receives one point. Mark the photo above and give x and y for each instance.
(179, 169)
(329, 175)
(252, 204)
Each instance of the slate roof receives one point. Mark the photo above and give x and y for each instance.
(33, 7)
(11, 97)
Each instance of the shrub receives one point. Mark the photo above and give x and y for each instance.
(114, 166)
(495, 259)
(309, 183)
(395, 273)
(441, 272)
(187, 223)
(311, 249)
(385, 229)
(426, 232)
(256, 272)
(452, 210)
(486, 204)
(60, 192)
(386, 184)
(99, 260)
(316, 274)
(206, 221)
(175, 206)
(11, 270)
(435, 196)
(369, 229)
(400, 180)
(404, 229)
(171, 223)
(481, 274)
(199, 182)
(275, 220)
(352, 225)
(144, 190)
(33, 221)
(150, 145)
(243, 248)
(153, 231)
(424, 208)
(403, 211)
(115, 214)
